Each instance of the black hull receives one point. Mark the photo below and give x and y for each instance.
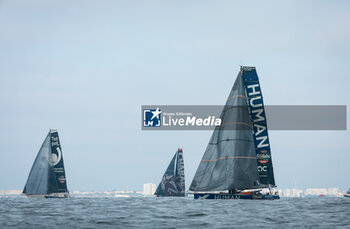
(227, 196)
(170, 196)
(53, 195)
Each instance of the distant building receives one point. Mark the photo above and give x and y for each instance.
(292, 192)
(287, 193)
(280, 192)
(316, 191)
(333, 192)
(10, 192)
(149, 189)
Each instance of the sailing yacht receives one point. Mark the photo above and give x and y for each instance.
(47, 177)
(237, 162)
(173, 180)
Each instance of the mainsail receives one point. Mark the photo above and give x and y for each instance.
(173, 180)
(230, 159)
(258, 117)
(47, 175)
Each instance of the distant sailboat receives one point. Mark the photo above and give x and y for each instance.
(47, 177)
(173, 180)
(347, 194)
(237, 162)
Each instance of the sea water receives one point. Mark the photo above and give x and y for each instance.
(152, 212)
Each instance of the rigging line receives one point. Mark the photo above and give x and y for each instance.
(230, 139)
(221, 158)
(232, 123)
(230, 107)
(237, 96)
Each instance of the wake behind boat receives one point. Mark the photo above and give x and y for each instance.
(238, 156)
(47, 177)
(173, 180)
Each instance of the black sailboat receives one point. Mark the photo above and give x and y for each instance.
(238, 158)
(173, 180)
(47, 177)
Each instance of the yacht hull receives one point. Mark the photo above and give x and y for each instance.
(52, 195)
(235, 196)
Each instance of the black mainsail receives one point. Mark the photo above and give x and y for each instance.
(47, 176)
(238, 154)
(258, 118)
(173, 180)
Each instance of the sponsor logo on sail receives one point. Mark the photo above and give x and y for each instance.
(55, 157)
(263, 157)
(262, 168)
(258, 115)
(62, 179)
(168, 184)
(181, 169)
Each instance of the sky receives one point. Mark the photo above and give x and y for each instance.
(86, 67)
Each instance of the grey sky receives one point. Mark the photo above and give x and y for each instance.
(86, 67)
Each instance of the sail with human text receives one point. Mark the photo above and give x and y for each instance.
(238, 156)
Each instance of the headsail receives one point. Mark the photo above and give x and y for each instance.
(47, 174)
(38, 178)
(173, 180)
(229, 162)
